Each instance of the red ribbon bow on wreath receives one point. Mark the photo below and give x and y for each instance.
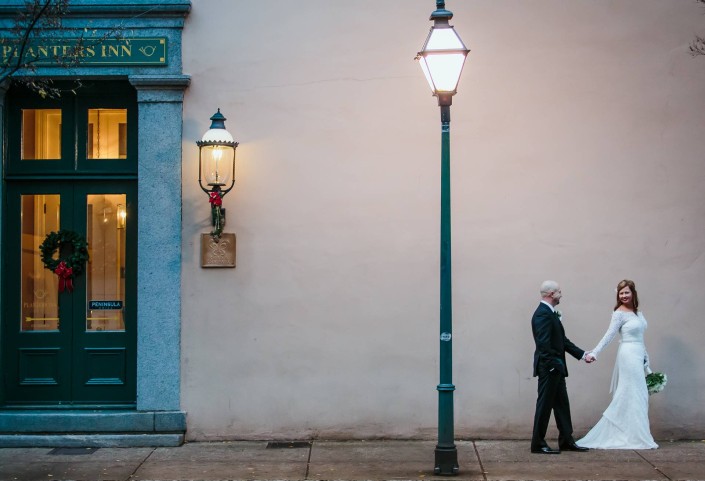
(65, 274)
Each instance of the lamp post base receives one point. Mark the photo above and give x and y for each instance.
(446, 461)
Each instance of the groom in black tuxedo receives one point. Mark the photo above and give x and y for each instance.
(550, 367)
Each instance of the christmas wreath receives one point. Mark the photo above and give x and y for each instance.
(70, 265)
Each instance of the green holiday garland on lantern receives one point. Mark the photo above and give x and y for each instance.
(69, 266)
(215, 198)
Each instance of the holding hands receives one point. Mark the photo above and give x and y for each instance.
(589, 357)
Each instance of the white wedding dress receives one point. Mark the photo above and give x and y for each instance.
(625, 422)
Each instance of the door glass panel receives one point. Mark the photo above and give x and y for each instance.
(107, 134)
(105, 282)
(40, 286)
(41, 134)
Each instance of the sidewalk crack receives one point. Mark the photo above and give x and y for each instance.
(134, 473)
(308, 461)
(654, 466)
(482, 468)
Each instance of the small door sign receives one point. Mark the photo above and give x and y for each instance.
(105, 305)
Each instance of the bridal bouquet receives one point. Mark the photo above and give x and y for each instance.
(655, 382)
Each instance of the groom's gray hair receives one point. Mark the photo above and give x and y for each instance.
(547, 287)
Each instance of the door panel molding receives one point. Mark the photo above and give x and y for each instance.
(39, 366)
(102, 362)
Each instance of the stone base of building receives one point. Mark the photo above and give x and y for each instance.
(92, 428)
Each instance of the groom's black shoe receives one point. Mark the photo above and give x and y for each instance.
(545, 450)
(573, 447)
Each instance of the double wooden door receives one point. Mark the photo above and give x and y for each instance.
(74, 347)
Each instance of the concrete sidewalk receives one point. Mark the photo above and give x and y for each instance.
(353, 460)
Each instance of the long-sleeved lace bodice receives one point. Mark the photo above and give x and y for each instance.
(631, 326)
(625, 422)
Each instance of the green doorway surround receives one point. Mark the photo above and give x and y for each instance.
(156, 419)
(151, 415)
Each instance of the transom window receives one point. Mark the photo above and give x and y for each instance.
(81, 132)
(41, 134)
(107, 133)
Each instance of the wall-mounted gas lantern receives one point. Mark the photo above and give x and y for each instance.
(216, 165)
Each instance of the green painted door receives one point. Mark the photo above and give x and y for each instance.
(76, 347)
(71, 164)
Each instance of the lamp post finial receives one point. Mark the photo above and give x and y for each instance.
(441, 14)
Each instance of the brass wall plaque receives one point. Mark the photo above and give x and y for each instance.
(220, 253)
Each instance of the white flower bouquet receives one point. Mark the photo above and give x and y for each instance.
(655, 382)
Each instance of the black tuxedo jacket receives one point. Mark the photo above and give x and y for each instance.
(551, 343)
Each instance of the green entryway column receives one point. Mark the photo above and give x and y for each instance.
(160, 112)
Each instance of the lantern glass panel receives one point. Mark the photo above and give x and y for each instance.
(444, 39)
(442, 71)
(218, 162)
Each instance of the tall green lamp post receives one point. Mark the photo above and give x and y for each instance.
(442, 58)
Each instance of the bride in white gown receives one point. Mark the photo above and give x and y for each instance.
(625, 422)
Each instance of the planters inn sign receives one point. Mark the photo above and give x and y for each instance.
(92, 51)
